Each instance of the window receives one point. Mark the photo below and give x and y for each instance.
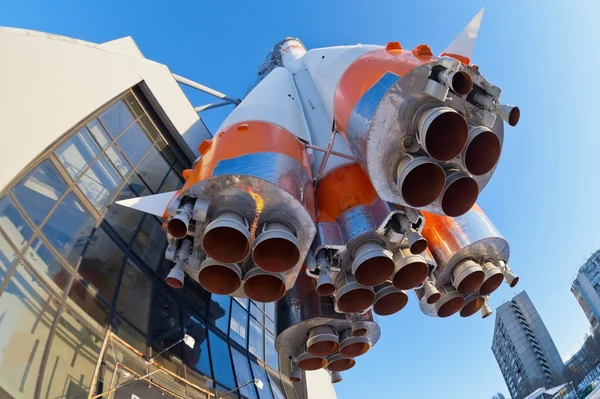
(47, 265)
(239, 323)
(218, 311)
(153, 169)
(150, 242)
(270, 310)
(74, 351)
(133, 301)
(276, 386)
(219, 354)
(13, 223)
(130, 335)
(38, 192)
(86, 299)
(124, 220)
(196, 357)
(257, 339)
(172, 182)
(260, 373)
(165, 322)
(134, 143)
(243, 374)
(7, 258)
(28, 309)
(100, 183)
(242, 301)
(257, 313)
(269, 324)
(271, 353)
(117, 118)
(78, 152)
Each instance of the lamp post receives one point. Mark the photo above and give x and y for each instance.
(259, 384)
(187, 339)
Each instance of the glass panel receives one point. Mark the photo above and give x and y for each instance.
(243, 374)
(239, 324)
(196, 300)
(39, 190)
(165, 151)
(100, 183)
(81, 297)
(269, 324)
(276, 387)
(72, 359)
(153, 169)
(242, 301)
(218, 311)
(122, 219)
(165, 323)
(270, 310)
(134, 143)
(101, 264)
(138, 186)
(260, 373)
(196, 357)
(118, 159)
(133, 302)
(172, 182)
(199, 380)
(69, 228)
(7, 257)
(219, 354)
(149, 127)
(116, 118)
(150, 242)
(257, 339)
(271, 353)
(222, 390)
(96, 129)
(48, 265)
(130, 335)
(256, 312)
(13, 223)
(78, 152)
(133, 104)
(28, 310)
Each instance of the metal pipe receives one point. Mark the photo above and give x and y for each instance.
(94, 383)
(326, 157)
(206, 107)
(337, 154)
(205, 89)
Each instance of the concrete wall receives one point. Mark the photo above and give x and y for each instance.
(49, 83)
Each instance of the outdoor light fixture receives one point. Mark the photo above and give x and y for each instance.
(188, 340)
(257, 381)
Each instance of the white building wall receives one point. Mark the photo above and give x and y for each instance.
(318, 385)
(49, 83)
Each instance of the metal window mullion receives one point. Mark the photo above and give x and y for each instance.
(18, 258)
(150, 119)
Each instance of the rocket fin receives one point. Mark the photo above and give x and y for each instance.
(154, 204)
(463, 44)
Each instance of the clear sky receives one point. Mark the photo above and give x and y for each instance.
(543, 196)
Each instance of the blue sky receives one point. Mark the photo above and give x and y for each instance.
(543, 196)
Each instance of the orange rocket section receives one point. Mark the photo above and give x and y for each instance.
(344, 188)
(367, 69)
(245, 138)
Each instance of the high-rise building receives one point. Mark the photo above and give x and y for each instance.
(524, 350)
(83, 304)
(586, 288)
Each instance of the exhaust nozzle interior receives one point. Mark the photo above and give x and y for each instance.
(443, 133)
(308, 362)
(352, 297)
(493, 278)
(337, 363)
(473, 302)
(467, 276)
(460, 193)
(372, 264)
(351, 347)
(178, 225)
(322, 341)
(410, 270)
(218, 277)
(325, 285)
(450, 301)
(176, 276)
(226, 238)
(276, 248)
(482, 152)
(420, 180)
(389, 300)
(336, 377)
(262, 286)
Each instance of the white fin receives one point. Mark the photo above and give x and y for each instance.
(154, 204)
(463, 43)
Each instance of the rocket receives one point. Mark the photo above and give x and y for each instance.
(347, 177)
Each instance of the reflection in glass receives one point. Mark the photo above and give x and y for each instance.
(149, 127)
(269, 324)
(256, 345)
(150, 242)
(117, 118)
(197, 357)
(74, 351)
(134, 143)
(13, 223)
(256, 312)
(98, 132)
(239, 323)
(260, 373)
(46, 264)
(276, 387)
(218, 311)
(77, 152)
(270, 310)
(130, 335)
(133, 301)
(118, 160)
(122, 219)
(101, 264)
(28, 310)
(87, 300)
(133, 105)
(199, 380)
(271, 353)
(100, 183)
(219, 354)
(153, 169)
(165, 151)
(171, 183)
(243, 374)
(39, 190)
(68, 228)
(7, 257)
(242, 301)
(165, 326)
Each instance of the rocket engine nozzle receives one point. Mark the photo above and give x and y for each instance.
(176, 276)
(295, 373)
(443, 133)
(276, 248)
(351, 347)
(350, 296)
(460, 193)
(219, 277)
(410, 270)
(337, 363)
(432, 294)
(493, 278)
(226, 238)
(473, 302)
(322, 341)
(450, 301)
(420, 180)
(262, 286)
(486, 310)
(389, 300)
(178, 225)
(509, 113)
(336, 377)
(467, 276)
(460, 81)
(308, 362)
(482, 151)
(373, 264)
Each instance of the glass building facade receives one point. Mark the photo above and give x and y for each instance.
(586, 288)
(76, 269)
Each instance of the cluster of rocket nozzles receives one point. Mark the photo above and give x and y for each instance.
(387, 207)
